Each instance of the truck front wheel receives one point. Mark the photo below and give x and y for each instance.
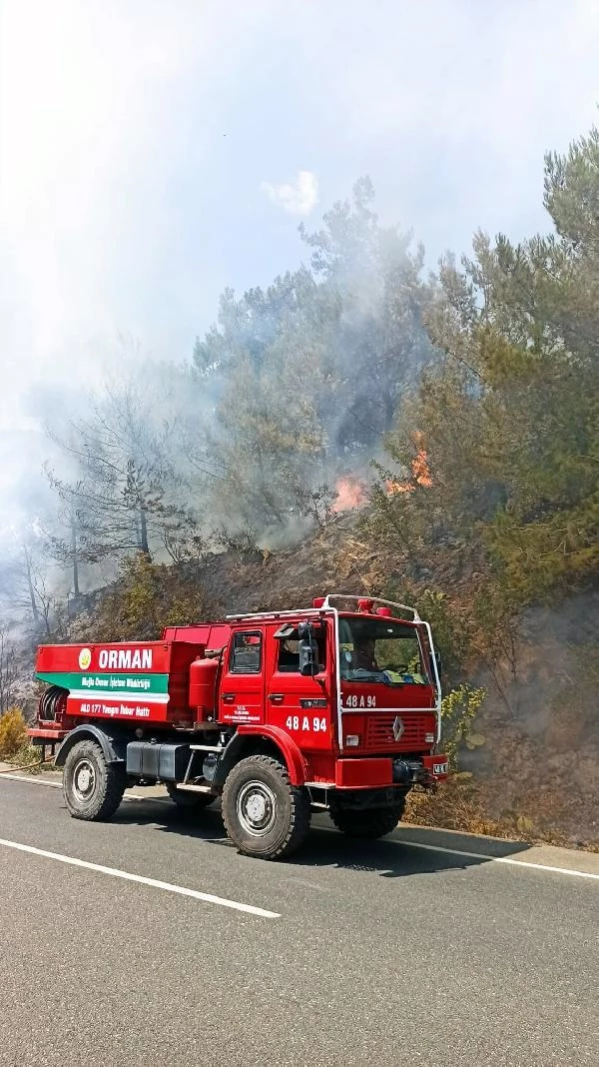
(265, 815)
(93, 788)
(368, 823)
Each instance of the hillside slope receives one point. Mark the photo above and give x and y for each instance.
(538, 771)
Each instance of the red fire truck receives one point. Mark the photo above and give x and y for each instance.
(335, 707)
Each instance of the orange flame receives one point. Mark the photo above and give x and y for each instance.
(421, 474)
(351, 493)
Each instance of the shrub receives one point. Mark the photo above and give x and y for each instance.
(459, 709)
(13, 732)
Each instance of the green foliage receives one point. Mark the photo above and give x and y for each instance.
(13, 732)
(451, 635)
(458, 712)
(509, 414)
(29, 756)
(146, 598)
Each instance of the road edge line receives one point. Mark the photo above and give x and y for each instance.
(30, 778)
(570, 871)
(483, 856)
(58, 785)
(114, 872)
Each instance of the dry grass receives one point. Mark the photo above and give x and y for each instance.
(459, 805)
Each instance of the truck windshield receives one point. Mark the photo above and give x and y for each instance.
(380, 650)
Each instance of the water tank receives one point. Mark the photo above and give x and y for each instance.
(202, 688)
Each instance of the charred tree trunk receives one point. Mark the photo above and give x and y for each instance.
(74, 558)
(32, 597)
(143, 532)
(389, 409)
(8, 671)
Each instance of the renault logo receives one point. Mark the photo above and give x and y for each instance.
(398, 728)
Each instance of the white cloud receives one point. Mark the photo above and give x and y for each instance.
(299, 198)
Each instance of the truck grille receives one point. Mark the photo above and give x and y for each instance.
(378, 735)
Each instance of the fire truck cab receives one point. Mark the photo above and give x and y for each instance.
(336, 707)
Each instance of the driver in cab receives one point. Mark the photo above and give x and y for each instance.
(364, 655)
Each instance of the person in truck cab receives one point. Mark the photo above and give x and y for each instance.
(289, 659)
(364, 655)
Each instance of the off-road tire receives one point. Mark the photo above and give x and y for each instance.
(189, 801)
(258, 780)
(86, 765)
(368, 823)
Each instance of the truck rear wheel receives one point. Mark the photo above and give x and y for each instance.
(265, 815)
(93, 788)
(368, 823)
(188, 801)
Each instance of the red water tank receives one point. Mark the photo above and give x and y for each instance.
(202, 688)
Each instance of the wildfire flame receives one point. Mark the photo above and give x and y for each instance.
(351, 493)
(421, 474)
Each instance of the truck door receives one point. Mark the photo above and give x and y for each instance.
(303, 706)
(242, 685)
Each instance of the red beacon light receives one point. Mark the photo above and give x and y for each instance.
(318, 602)
(384, 612)
(365, 605)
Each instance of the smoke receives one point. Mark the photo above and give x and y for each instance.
(134, 144)
(541, 750)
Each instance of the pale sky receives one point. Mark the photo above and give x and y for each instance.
(153, 152)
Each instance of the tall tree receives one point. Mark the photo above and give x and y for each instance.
(381, 343)
(305, 376)
(510, 414)
(128, 491)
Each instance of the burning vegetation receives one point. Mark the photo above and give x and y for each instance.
(351, 492)
(421, 474)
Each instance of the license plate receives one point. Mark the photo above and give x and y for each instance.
(440, 768)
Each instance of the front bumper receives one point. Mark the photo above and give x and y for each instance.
(382, 771)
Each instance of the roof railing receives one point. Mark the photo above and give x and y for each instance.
(372, 600)
(326, 604)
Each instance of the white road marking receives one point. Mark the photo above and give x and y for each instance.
(482, 856)
(182, 891)
(58, 785)
(24, 778)
(410, 844)
(502, 859)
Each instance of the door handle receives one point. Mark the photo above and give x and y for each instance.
(276, 698)
(228, 698)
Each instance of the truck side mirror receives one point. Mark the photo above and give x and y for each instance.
(308, 651)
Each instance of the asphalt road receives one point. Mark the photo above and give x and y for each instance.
(381, 954)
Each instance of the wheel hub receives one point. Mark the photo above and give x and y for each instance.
(84, 779)
(256, 808)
